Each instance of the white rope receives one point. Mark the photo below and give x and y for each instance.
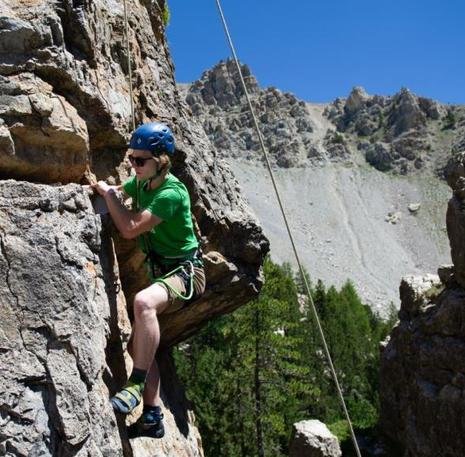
(281, 206)
(128, 51)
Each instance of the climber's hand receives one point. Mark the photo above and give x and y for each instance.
(101, 187)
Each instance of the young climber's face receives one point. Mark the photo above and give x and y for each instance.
(143, 162)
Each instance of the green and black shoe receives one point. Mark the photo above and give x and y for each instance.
(128, 398)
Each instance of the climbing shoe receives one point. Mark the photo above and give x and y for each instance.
(128, 398)
(149, 425)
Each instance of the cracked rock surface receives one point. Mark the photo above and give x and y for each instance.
(54, 322)
(422, 382)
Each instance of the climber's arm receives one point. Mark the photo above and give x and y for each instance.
(129, 224)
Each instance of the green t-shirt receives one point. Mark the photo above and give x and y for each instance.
(174, 237)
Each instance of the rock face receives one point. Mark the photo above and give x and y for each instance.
(312, 438)
(66, 275)
(40, 121)
(55, 318)
(422, 380)
(455, 173)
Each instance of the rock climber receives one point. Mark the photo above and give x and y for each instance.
(161, 220)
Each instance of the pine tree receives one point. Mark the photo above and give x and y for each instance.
(253, 373)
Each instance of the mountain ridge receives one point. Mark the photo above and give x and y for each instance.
(349, 172)
(401, 133)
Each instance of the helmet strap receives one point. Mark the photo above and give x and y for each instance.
(148, 183)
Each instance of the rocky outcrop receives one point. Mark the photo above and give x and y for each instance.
(357, 100)
(311, 438)
(40, 120)
(422, 378)
(455, 175)
(406, 113)
(402, 134)
(63, 330)
(422, 381)
(67, 276)
(398, 133)
(218, 100)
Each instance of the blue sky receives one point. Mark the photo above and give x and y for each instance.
(319, 50)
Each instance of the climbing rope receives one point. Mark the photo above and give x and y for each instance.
(281, 206)
(128, 52)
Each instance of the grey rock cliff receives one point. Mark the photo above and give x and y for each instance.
(67, 276)
(55, 320)
(422, 381)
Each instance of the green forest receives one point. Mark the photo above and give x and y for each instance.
(251, 374)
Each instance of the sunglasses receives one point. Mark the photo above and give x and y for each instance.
(138, 161)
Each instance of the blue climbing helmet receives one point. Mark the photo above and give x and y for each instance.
(154, 137)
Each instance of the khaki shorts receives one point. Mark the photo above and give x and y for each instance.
(178, 283)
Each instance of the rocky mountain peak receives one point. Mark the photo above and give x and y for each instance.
(365, 114)
(218, 101)
(356, 100)
(221, 86)
(406, 113)
(403, 133)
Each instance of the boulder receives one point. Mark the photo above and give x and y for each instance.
(311, 438)
(414, 207)
(393, 217)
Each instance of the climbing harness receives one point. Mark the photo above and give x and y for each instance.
(281, 206)
(190, 277)
(183, 267)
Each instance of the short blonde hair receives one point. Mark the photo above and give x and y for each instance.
(165, 163)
